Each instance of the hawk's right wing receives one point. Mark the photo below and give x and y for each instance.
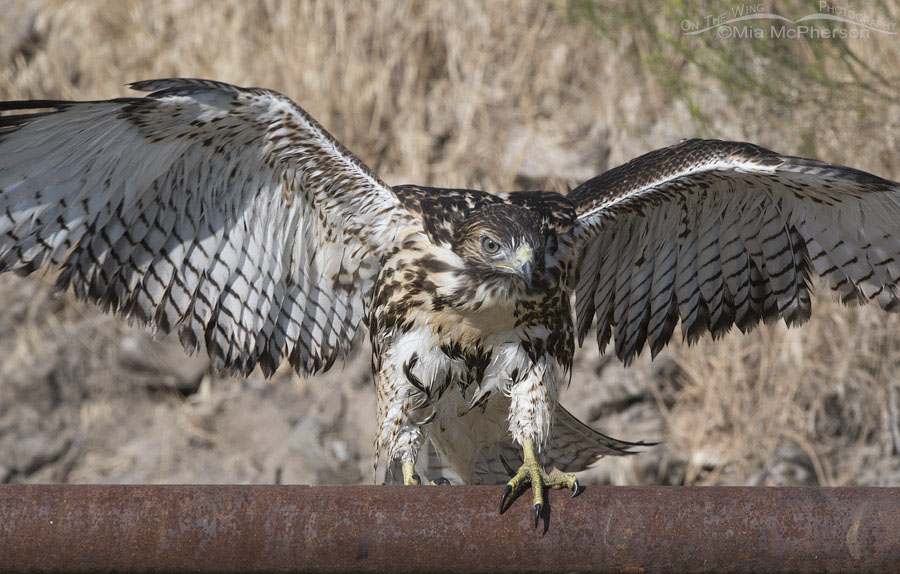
(226, 213)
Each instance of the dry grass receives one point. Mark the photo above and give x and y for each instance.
(513, 94)
(418, 90)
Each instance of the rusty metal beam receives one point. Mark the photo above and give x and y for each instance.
(65, 528)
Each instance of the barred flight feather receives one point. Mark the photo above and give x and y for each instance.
(639, 302)
(623, 282)
(709, 269)
(603, 294)
(663, 308)
(693, 312)
(735, 263)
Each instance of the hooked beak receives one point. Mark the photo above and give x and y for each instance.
(524, 264)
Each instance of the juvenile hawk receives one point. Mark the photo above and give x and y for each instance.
(230, 216)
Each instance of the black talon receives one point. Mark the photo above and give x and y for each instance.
(417, 478)
(537, 514)
(576, 489)
(506, 493)
(442, 481)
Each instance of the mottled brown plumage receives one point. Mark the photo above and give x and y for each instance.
(230, 216)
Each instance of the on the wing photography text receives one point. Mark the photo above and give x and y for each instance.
(752, 21)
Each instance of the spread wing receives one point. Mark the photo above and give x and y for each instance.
(718, 233)
(225, 213)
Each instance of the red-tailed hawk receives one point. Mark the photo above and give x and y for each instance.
(230, 216)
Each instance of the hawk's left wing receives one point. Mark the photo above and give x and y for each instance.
(718, 233)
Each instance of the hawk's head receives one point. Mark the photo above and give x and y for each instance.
(503, 247)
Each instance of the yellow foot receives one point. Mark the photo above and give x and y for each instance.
(410, 478)
(531, 473)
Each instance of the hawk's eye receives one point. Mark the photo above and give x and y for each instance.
(489, 245)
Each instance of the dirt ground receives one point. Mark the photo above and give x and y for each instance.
(505, 95)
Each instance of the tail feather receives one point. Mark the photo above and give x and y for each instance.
(575, 446)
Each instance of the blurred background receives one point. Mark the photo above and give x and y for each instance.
(499, 96)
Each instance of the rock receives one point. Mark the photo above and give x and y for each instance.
(162, 364)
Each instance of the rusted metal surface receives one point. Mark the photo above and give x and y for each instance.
(445, 529)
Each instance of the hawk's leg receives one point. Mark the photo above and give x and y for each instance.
(402, 438)
(407, 399)
(531, 473)
(533, 400)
